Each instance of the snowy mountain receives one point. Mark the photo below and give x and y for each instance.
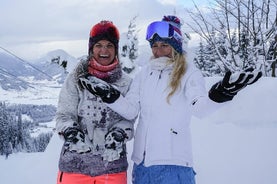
(56, 64)
(12, 71)
(17, 73)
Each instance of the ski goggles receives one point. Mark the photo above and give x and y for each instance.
(164, 30)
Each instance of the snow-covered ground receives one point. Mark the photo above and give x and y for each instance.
(236, 145)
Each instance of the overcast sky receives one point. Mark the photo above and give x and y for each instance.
(31, 28)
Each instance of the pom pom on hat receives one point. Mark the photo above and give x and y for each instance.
(104, 30)
(173, 20)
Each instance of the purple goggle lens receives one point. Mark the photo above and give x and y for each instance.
(164, 30)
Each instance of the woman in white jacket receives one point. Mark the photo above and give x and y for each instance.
(165, 95)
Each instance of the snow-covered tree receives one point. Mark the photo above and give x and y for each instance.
(5, 145)
(15, 132)
(272, 51)
(41, 141)
(241, 26)
(129, 47)
(60, 63)
(205, 60)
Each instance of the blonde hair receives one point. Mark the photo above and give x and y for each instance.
(178, 72)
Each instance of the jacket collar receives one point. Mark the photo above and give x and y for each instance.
(161, 63)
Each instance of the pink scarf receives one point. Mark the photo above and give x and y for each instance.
(103, 72)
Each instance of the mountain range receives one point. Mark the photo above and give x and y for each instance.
(19, 74)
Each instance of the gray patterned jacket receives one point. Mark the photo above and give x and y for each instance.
(77, 106)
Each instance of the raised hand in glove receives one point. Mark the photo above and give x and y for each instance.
(231, 84)
(114, 141)
(75, 140)
(97, 87)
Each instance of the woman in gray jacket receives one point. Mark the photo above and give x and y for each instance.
(95, 136)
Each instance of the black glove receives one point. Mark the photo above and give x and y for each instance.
(226, 89)
(73, 135)
(75, 140)
(97, 87)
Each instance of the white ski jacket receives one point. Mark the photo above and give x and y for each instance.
(163, 132)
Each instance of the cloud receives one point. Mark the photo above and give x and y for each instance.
(30, 26)
(166, 2)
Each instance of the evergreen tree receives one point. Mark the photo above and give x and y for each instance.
(129, 48)
(40, 143)
(5, 145)
(202, 60)
(15, 133)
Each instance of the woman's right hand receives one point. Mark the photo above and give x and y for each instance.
(100, 88)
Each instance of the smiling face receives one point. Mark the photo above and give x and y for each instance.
(104, 52)
(161, 49)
